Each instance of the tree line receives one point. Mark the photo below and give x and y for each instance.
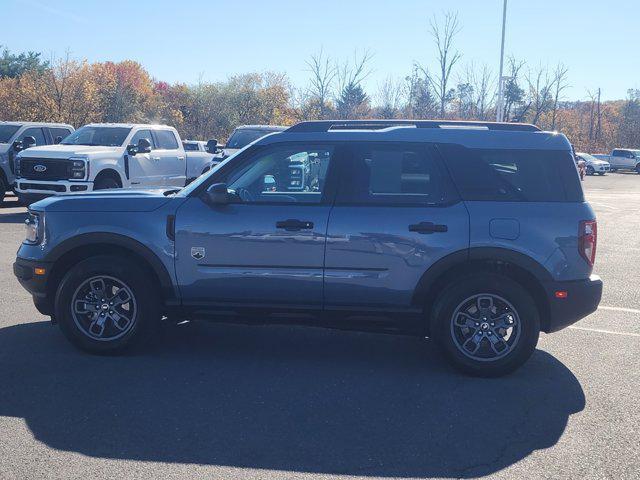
(78, 92)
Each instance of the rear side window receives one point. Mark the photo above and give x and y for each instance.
(513, 175)
(393, 174)
(166, 140)
(190, 147)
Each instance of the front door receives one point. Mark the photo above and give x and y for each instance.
(144, 168)
(395, 215)
(266, 247)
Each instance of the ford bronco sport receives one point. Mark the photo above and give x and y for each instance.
(474, 234)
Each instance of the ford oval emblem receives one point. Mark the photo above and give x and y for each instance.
(40, 168)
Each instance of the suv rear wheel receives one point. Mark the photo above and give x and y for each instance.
(105, 304)
(487, 325)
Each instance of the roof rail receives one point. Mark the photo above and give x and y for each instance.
(326, 125)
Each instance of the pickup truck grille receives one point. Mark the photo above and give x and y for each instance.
(44, 169)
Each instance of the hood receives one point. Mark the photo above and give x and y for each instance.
(65, 151)
(597, 161)
(117, 200)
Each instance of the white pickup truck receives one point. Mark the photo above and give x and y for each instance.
(622, 159)
(101, 156)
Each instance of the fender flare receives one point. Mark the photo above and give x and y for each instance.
(478, 255)
(122, 241)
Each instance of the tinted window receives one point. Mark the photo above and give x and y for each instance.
(7, 131)
(140, 134)
(392, 174)
(36, 133)
(282, 174)
(513, 175)
(102, 136)
(620, 153)
(190, 147)
(166, 140)
(243, 137)
(59, 132)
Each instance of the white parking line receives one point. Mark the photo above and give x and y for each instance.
(626, 334)
(619, 309)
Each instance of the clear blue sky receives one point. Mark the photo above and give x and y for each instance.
(599, 41)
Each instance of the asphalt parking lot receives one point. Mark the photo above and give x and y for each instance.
(216, 401)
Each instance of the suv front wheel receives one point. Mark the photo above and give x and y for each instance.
(105, 304)
(487, 325)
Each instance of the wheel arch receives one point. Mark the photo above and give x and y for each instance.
(68, 253)
(515, 265)
(109, 172)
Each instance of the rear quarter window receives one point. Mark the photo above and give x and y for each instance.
(513, 175)
(166, 140)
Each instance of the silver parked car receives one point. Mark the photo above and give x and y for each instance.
(594, 165)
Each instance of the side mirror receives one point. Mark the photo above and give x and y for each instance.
(28, 142)
(57, 140)
(212, 146)
(132, 150)
(217, 194)
(144, 146)
(16, 146)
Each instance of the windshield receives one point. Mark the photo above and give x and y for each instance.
(588, 158)
(7, 131)
(243, 137)
(103, 136)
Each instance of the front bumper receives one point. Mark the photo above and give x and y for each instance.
(57, 187)
(582, 298)
(36, 285)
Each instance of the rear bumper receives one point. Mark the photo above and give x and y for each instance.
(582, 298)
(36, 285)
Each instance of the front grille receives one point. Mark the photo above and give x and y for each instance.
(44, 169)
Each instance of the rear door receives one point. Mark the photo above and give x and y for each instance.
(170, 158)
(395, 215)
(58, 134)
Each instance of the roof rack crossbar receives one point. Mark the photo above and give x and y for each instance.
(326, 125)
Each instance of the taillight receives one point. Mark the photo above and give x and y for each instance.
(588, 238)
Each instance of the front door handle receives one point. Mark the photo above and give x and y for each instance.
(427, 228)
(157, 159)
(293, 225)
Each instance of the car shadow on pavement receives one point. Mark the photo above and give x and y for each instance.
(283, 398)
(19, 217)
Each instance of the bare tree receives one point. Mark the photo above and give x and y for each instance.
(323, 75)
(351, 99)
(389, 98)
(443, 36)
(514, 94)
(560, 85)
(540, 95)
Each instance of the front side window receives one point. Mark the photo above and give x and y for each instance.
(98, 136)
(140, 134)
(392, 174)
(166, 140)
(36, 133)
(295, 174)
(7, 131)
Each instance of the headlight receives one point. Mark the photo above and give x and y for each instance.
(33, 228)
(78, 168)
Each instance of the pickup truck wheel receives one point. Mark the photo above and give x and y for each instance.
(104, 183)
(486, 325)
(105, 304)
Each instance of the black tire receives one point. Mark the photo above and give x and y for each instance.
(602, 174)
(464, 289)
(590, 170)
(145, 310)
(105, 182)
(638, 168)
(3, 188)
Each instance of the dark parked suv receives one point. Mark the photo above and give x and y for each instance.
(474, 234)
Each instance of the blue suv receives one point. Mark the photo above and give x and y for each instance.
(474, 234)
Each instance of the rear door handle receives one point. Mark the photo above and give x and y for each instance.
(293, 225)
(427, 228)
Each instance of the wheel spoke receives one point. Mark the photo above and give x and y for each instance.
(121, 322)
(498, 345)
(474, 341)
(97, 326)
(83, 306)
(121, 297)
(465, 320)
(505, 320)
